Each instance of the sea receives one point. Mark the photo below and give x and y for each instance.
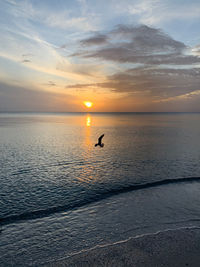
(60, 195)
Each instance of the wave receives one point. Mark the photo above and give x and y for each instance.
(92, 198)
(45, 167)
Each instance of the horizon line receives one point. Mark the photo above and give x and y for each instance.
(94, 112)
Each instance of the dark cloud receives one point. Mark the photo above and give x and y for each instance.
(50, 83)
(84, 85)
(141, 44)
(16, 98)
(98, 39)
(158, 82)
(147, 39)
(165, 71)
(154, 82)
(26, 60)
(63, 46)
(127, 55)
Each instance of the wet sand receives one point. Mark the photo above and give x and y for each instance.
(172, 248)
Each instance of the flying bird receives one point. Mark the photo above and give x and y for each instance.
(100, 141)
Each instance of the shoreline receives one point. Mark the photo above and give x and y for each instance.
(172, 248)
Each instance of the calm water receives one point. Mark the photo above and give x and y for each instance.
(59, 194)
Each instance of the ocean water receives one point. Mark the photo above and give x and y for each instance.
(60, 195)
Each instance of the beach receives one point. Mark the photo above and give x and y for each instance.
(172, 248)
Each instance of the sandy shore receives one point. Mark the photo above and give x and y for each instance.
(169, 248)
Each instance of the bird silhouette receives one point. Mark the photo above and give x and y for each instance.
(100, 141)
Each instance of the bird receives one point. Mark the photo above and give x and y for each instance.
(100, 141)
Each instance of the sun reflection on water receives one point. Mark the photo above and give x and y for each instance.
(88, 121)
(86, 174)
(88, 131)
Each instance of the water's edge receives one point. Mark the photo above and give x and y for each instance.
(119, 251)
(94, 198)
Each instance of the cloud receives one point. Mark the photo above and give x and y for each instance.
(154, 12)
(140, 44)
(50, 83)
(26, 60)
(62, 21)
(160, 83)
(196, 50)
(79, 85)
(167, 67)
(154, 82)
(40, 56)
(52, 16)
(98, 39)
(16, 98)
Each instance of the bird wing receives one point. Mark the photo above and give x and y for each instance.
(100, 138)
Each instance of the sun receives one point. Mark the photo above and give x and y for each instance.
(88, 104)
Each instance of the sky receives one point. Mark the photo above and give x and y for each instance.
(123, 55)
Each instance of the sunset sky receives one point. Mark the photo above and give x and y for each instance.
(128, 55)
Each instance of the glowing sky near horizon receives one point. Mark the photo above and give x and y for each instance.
(130, 55)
